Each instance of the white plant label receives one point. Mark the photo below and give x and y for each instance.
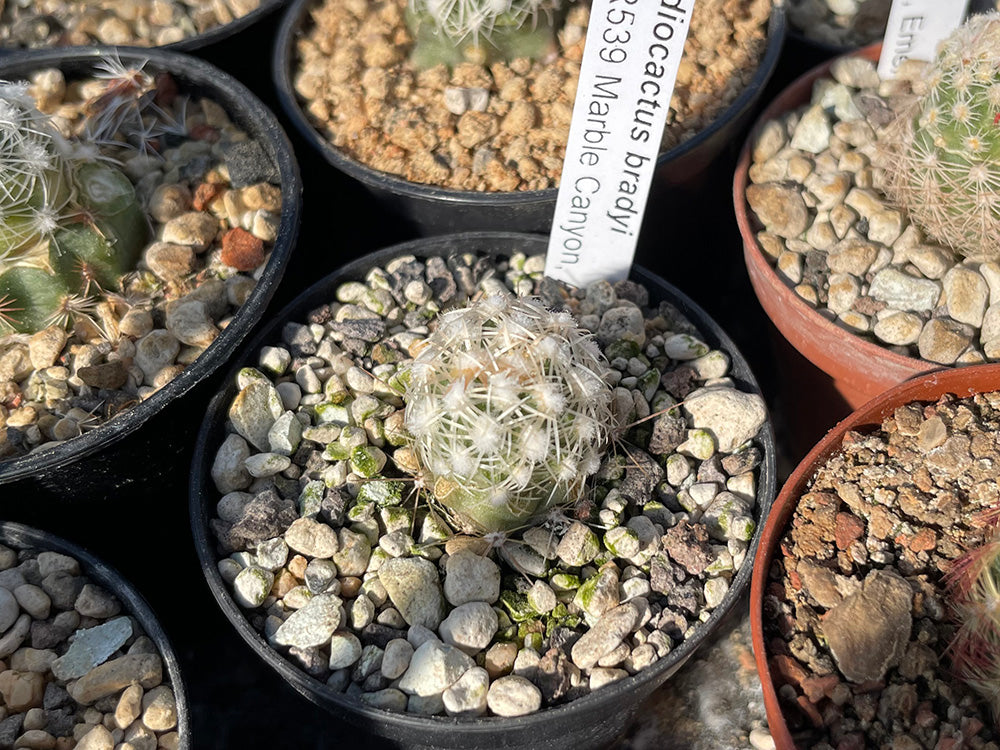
(915, 28)
(627, 77)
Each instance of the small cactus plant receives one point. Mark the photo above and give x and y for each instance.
(481, 31)
(940, 158)
(67, 222)
(509, 411)
(974, 586)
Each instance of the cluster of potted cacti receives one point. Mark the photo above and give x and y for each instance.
(603, 472)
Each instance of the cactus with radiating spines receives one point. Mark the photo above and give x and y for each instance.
(940, 159)
(68, 224)
(509, 411)
(481, 31)
(974, 592)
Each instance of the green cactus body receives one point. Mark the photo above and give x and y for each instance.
(28, 298)
(450, 32)
(35, 183)
(940, 159)
(508, 410)
(66, 224)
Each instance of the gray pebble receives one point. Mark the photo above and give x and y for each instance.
(272, 553)
(732, 416)
(433, 668)
(33, 600)
(252, 586)
(345, 649)
(95, 601)
(467, 696)
(471, 578)
(15, 635)
(312, 538)
(513, 696)
(396, 658)
(470, 627)
(389, 699)
(92, 647)
(229, 471)
(813, 131)
(254, 411)
(605, 635)
(901, 291)
(413, 585)
(9, 609)
(313, 625)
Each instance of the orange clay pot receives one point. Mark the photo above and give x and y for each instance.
(962, 382)
(856, 369)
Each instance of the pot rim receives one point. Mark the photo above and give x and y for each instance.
(281, 72)
(961, 381)
(21, 536)
(767, 282)
(187, 44)
(353, 710)
(245, 109)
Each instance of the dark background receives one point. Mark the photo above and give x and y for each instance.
(236, 701)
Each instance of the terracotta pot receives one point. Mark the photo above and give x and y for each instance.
(858, 369)
(961, 382)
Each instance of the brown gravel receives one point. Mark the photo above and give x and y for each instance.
(857, 588)
(145, 23)
(359, 89)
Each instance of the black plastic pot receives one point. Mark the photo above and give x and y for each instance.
(19, 537)
(207, 40)
(589, 722)
(214, 36)
(437, 210)
(143, 447)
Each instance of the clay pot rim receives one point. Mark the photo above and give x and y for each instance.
(962, 382)
(616, 696)
(795, 94)
(281, 72)
(246, 110)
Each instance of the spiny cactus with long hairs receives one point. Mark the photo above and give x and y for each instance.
(974, 588)
(35, 175)
(509, 410)
(940, 159)
(68, 223)
(481, 31)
